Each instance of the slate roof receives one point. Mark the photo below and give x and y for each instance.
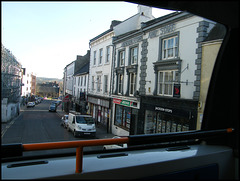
(81, 61)
(217, 32)
(161, 18)
(114, 23)
(83, 70)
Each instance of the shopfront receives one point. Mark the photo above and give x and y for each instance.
(164, 115)
(125, 117)
(99, 108)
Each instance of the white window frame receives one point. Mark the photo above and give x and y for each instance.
(105, 84)
(132, 82)
(81, 80)
(165, 87)
(93, 83)
(170, 50)
(100, 56)
(107, 54)
(94, 57)
(121, 58)
(99, 82)
(134, 55)
(120, 84)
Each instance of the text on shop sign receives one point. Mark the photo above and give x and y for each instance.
(163, 109)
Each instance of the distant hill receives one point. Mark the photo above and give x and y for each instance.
(45, 79)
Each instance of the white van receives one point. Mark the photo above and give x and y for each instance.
(81, 125)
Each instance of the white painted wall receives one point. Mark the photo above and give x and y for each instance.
(69, 79)
(134, 22)
(27, 78)
(100, 69)
(81, 86)
(187, 52)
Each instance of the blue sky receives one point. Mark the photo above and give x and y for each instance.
(45, 36)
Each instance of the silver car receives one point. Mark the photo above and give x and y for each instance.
(64, 121)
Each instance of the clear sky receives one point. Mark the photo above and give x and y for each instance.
(46, 36)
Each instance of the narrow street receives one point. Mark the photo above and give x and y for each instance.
(37, 125)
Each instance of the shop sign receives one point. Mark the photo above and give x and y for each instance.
(123, 102)
(163, 109)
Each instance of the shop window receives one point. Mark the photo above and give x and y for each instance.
(157, 122)
(123, 117)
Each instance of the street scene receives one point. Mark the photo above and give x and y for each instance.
(148, 78)
(38, 124)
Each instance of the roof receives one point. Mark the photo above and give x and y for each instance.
(161, 18)
(81, 62)
(114, 23)
(217, 32)
(83, 70)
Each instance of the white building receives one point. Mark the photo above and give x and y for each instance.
(101, 58)
(156, 80)
(26, 83)
(80, 86)
(99, 76)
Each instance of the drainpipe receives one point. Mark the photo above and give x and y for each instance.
(111, 87)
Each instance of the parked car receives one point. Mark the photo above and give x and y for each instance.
(30, 104)
(54, 102)
(109, 147)
(52, 108)
(64, 121)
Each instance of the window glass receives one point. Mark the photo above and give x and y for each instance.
(120, 84)
(100, 56)
(132, 83)
(166, 82)
(170, 48)
(122, 58)
(134, 55)
(94, 57)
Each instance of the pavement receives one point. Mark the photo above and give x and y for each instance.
(101, 132)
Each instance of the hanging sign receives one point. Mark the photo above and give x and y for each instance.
(176, 90)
